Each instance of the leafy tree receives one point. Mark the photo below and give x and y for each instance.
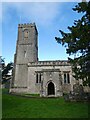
(4, 70)
(77, 42)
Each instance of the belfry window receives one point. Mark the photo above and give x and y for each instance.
(26, 33)
(66, 78)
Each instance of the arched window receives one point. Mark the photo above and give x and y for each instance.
(36, 77)
(26, 33)
(66, 78)
(40, 78)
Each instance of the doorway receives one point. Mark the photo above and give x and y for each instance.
(51, 89)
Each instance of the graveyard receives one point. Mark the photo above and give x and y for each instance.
(25, 107)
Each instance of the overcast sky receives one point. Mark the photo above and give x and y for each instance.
(49, 17)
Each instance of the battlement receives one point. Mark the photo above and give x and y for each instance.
(52, 63)
(27, 25)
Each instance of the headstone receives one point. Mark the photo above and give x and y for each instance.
(78, 91)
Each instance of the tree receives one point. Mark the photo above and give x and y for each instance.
(77, 42)
(4, 70)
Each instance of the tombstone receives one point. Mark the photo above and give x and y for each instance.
(78, 91)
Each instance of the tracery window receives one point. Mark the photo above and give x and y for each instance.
(66, 78)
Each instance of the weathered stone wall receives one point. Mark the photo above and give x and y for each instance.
(56, 76)
(21, 75)
(27, 44)
(18, 90)
(26, 51)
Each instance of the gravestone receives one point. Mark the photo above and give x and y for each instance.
(78, 92)
(78, 89)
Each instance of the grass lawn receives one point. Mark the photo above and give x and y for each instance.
(21, 107)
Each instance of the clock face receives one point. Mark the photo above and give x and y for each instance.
(26, 33)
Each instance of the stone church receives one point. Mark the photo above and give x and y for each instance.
(47, 78)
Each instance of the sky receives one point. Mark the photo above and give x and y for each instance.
(49, 17)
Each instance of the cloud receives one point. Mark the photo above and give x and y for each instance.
(41, 13)
(34, 10)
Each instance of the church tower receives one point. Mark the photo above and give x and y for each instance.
(26, 51)
(27, 48)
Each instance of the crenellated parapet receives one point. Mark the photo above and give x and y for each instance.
(27, 25)
(50, 63)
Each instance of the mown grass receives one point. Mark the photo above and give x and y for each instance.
(32, 95)
(21, 107)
